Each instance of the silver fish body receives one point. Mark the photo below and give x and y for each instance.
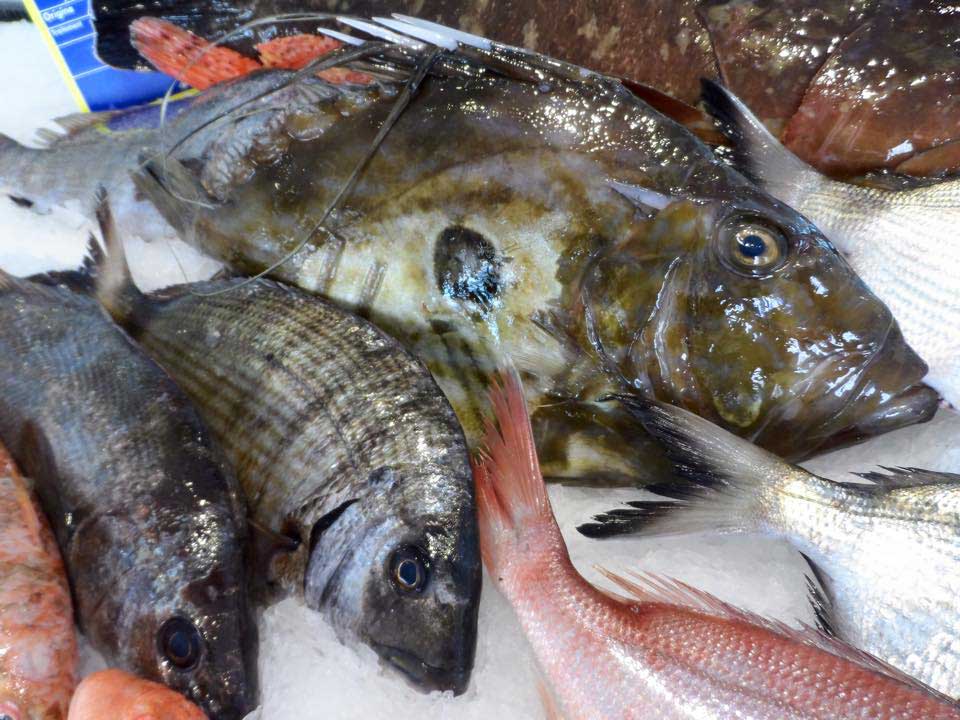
(886, 552)
(149, 521)
(903, 243)
(343, 443)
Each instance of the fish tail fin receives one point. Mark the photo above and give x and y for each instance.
(757, 153)
(512, 500)
(115, 289)
(718, 484)
(185, 56)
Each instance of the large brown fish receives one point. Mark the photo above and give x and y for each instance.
(521, 207)
(852, 85)
(149, 522)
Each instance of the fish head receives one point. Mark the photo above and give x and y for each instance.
(183, 622)
(400, 569)
(757, 323)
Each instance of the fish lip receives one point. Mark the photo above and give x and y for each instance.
(422, 676)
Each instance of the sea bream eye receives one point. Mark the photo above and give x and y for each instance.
(408, 570)
(180, 643)
(751, 246)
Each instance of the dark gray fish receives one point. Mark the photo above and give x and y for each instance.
(346, 449)
(149, 522)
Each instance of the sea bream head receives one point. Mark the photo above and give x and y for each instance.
(525, 208)
(399, 568)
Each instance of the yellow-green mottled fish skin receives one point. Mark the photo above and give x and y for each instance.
(556, 222)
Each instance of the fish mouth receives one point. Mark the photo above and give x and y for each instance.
(422, 676)
(916, 404)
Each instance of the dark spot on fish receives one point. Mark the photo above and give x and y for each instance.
(466, 266)
(382, 475)
(321, 525)
(21, 201)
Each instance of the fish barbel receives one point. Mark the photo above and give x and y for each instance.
(149, 522)
(38, 643)
(669, 652)
(902, 243)
(118, 695)
(885, 552)
(519, 207)
(347, 452)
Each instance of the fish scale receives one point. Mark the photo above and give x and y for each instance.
(351, 458)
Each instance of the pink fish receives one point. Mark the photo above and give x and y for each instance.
(671, 652)
(116, 695)
(38, 645)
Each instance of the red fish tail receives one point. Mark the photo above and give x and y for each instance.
(185, 56)
(512, 499)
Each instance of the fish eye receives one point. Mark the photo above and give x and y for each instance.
(9, 711)
(180, 642)
(751, 246)
(466, 266)
(408, 569)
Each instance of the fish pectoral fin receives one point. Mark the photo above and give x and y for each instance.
(171, 187)
(266, 546)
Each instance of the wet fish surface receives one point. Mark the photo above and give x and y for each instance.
(849, 86)
(346, 450)
(668, 650)
(38, 649)
(902, 243)
(520, 208)
(121, 696)
(885, 552)
(149, 521)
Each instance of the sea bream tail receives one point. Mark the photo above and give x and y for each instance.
(512, 502)
(756, 152)
(717, 486)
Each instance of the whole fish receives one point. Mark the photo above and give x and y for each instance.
(850, 86)
(121, 696)
(149, 522)
(38, 644)
(347, 452)
(518, 207)
(670, 651)
(885, 552)
(901, 242)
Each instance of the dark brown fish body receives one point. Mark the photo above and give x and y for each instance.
(343, 441)
(149, 522)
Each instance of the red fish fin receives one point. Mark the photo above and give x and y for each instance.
(511, 495)
(650, 587)
(551, 708)
(294, 52)
(185, 56)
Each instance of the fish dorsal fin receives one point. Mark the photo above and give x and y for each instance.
(908, 477)
(72, 125)
(653, 588)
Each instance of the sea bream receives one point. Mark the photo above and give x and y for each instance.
(666, 650)
(352, 461)
(148, 519)
(886, 551)
(903, 243)
(38, 642)
(524, 208)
